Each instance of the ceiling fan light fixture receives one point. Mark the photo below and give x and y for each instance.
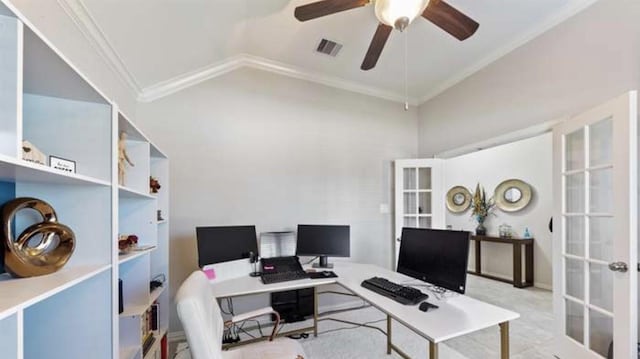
(399, 13)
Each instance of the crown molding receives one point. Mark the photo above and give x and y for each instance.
(192, 78)
(87, 25)
(551, 22)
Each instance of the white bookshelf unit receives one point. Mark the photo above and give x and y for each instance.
(74, 313)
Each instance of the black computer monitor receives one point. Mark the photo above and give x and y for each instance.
(223, 244)
(323, 241)
(435, 256)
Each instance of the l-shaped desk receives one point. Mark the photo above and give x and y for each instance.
(456, 316)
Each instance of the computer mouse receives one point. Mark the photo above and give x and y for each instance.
(424, 306)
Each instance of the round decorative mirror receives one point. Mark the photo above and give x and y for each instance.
(513, 195)
(458, 199)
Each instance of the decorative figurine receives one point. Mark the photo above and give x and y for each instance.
(42, 248)
(123, 158)
(527, 234)
(154, 185)
(126, 242)
(31, 153)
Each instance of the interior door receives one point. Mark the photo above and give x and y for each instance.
(419, 199)
(595, 234)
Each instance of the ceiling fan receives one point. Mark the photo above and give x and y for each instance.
(396, 14)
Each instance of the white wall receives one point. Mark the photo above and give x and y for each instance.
(585, 61)
(528, 160)
(49, 17)
(257, 148)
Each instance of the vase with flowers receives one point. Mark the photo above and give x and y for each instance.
(481, 209)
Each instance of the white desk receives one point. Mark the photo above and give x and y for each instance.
(456, 316)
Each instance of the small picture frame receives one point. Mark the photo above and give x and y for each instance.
(62, 164)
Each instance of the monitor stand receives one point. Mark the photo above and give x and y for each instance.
(324, 263)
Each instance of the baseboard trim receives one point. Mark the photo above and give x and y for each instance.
(545, 286)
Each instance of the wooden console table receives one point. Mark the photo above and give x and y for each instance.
(517, 244)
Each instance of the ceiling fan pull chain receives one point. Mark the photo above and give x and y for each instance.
(406, 69)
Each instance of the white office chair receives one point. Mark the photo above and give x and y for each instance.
(203, 325)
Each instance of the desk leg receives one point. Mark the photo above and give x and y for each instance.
(478, 258)
(517, 265)
(504, 340)
(388, 334)
(315, 311)
(433, 350)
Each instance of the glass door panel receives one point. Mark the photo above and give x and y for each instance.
(424, 222)
(600, 146)
(574, 320)
(574, 150)
(424, 178)
(601, 286)
(410, 203)
(424, 203)
(600, 332)
(410, 179)
(601, 238)
(410, 222)
(601, 191)
(575, 193)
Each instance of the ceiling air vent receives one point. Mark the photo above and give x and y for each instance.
(329, 47)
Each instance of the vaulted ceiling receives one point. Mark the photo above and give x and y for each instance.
(161, 46)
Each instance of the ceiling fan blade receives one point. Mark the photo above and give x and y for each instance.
(326, 7)
(376, 46)
(450, 19)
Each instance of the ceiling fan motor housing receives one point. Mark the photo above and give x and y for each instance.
(399, 13)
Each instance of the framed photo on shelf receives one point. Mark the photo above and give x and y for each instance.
(62, 164)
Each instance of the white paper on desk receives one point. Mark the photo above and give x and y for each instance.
(277, 244)
(230, 270)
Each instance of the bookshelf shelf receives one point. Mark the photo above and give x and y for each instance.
(21, 293)
(42, 93)
(17, 170)
(123, 258)
(125, 192)
(155, 294)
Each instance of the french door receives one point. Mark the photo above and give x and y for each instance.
(419, 196)
(595, 235)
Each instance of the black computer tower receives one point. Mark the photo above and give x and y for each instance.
(293, 305)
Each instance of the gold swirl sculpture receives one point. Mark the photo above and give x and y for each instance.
(29, 256)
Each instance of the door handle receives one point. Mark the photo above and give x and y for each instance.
(619, 267)
(398, 239)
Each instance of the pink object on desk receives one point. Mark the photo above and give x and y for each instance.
(210, 273)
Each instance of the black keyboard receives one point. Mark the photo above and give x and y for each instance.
(283, 276)
(397, 292)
